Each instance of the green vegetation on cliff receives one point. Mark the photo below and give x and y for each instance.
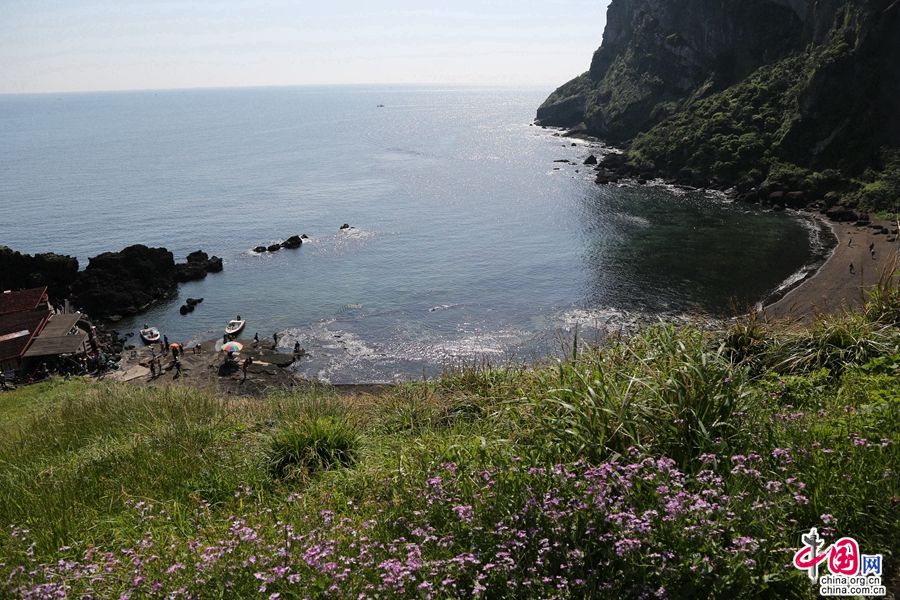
(680, 462)
(816, 111)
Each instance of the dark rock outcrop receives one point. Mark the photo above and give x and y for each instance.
(197, 266)
(293, 242)
(23, 271)
(113, 284)
(189, 305)
(125, 282)
(563, 112)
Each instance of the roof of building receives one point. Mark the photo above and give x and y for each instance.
(17, 330)
(59, 336)
(22, 300)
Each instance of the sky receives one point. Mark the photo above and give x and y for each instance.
(92, 45)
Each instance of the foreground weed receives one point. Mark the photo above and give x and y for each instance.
(302, 448)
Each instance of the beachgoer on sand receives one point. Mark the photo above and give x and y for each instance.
(851, 267)
(871, 246)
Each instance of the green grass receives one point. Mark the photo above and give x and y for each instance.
(677, 462)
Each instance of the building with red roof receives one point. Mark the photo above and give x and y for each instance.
(23, 315)
(22, 300)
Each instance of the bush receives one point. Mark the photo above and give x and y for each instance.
(302, 448)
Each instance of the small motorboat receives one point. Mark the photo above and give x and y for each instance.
(235, 326)
(149, 335)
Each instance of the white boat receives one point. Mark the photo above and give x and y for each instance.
(235, 326)
(149, 335)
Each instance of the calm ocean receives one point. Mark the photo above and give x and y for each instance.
(468, 240)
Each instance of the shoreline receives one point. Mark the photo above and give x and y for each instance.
(209, 368)
(828, 290)
(833, 288)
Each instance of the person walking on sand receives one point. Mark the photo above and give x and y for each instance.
(851, 268)
(871, 246)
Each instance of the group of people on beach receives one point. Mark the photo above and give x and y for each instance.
(178, 354)
(871, 249)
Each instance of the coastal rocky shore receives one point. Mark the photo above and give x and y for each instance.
(113, 285)
(614, 167)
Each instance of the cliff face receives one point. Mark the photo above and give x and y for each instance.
(659, 55)
(810, 82)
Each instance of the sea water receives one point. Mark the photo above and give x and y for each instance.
(467, 241)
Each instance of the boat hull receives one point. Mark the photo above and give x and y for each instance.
(235, 327)
(149, 336)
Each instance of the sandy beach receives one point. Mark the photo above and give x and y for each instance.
(834, 286)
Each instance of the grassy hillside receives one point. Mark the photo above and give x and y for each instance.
(679, 462)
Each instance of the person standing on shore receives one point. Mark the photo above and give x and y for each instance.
(244, 367)
(851, 268)
(275, 340)
(152, 369)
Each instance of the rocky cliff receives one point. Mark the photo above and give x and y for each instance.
(737, 88)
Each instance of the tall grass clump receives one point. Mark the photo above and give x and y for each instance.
(302, 448)
(668, 388)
